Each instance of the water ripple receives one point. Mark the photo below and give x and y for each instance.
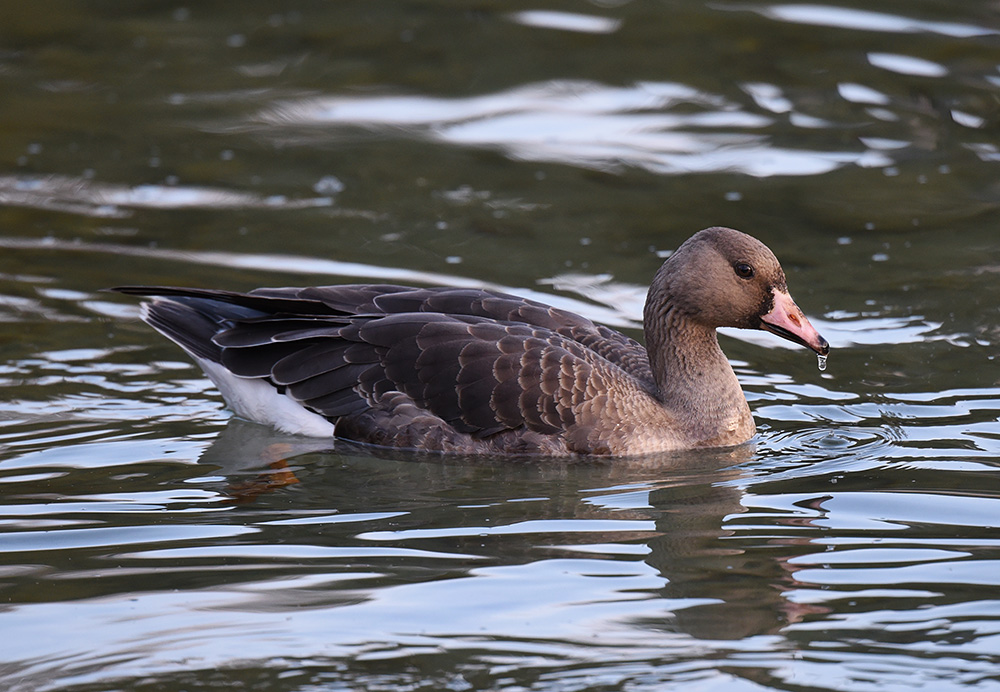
(666, 128)
(864, 20)
(108, 200)
(566, 21)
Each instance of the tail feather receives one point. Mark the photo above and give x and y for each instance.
(275, 301)
(188, 327)
(191, 317)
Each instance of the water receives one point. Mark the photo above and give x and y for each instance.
(150, 542)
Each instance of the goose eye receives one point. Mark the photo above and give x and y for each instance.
(743, 270)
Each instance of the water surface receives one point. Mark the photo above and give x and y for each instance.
(148, 541)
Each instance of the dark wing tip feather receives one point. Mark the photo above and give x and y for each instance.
(266, 302)
(186, 326)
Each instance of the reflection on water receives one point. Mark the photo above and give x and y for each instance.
(664, 128)
(566, 21)
(80, 196)
(861, 20)
(149, 542)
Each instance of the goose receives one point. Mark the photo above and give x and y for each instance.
(472, 371)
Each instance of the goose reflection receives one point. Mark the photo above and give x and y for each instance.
(716, 583)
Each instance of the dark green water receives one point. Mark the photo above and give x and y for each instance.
(558, 151)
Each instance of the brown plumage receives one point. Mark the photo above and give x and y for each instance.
(472, 371)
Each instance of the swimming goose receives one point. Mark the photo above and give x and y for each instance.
(482, 372)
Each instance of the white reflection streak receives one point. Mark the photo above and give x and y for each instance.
(907, 64)
(859, 93)
(78, 195)
(566, 21)
(585, 124)
(558, 96)
(862, 20)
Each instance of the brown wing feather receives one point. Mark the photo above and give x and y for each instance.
(478, 375)
(483, 362)
(615, 347)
